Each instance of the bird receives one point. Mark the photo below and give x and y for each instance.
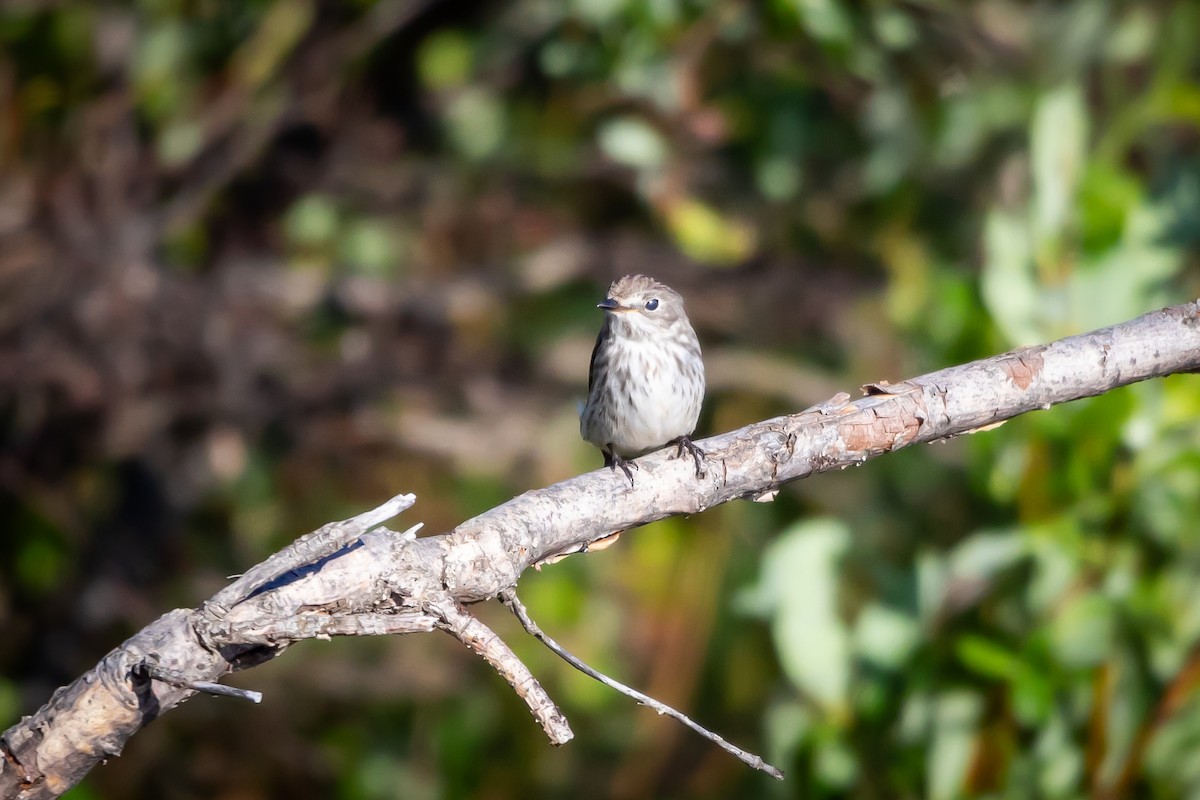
(646, 378)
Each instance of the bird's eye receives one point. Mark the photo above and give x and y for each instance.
(652, 304)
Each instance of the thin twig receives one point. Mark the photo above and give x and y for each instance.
(509, 598)
(179, 682)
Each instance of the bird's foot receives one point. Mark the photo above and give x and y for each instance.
(684, 443)
(612, 461)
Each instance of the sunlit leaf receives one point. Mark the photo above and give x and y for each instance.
(312, 221)
(885, 636)
(1058, 140)
(370, 246)
(1009, 288)
(477, 122)
(824, 19)
(982, 555)
(797, 591)
(955, 720)
(835, 763)
(788, 725)
(989, 658)
(444, 59)
(1082, 630)
(1059, 759)
(705, 235)
(633, 142)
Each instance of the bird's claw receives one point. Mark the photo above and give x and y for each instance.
(684, 443)
(612, 461)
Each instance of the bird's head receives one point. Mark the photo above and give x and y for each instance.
(640, 304)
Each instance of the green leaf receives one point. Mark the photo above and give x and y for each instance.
(834, 763)
(1081, 633)
(477, 122)
(1107, 196)
(705, 235)
(370, 246)
(885, 636)
(825, 20)
(1059, 760)
(1057, 147)
(444, 60)
(982, 555)
(633, 142)
(797, 590)
(1010, 291)
(989, 658)
(788, 725)
(955, 721)
(312, 221)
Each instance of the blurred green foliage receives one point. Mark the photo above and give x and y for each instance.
(265, 264)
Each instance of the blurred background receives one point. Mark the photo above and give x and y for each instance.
(266, 264)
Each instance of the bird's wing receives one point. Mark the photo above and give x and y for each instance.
(592, 363)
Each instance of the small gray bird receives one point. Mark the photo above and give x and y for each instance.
(646, 381)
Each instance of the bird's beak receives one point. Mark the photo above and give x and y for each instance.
(608, 304)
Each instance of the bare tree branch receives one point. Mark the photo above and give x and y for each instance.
(346, 580)
(479, 638)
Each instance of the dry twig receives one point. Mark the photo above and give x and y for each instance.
(509, 598)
